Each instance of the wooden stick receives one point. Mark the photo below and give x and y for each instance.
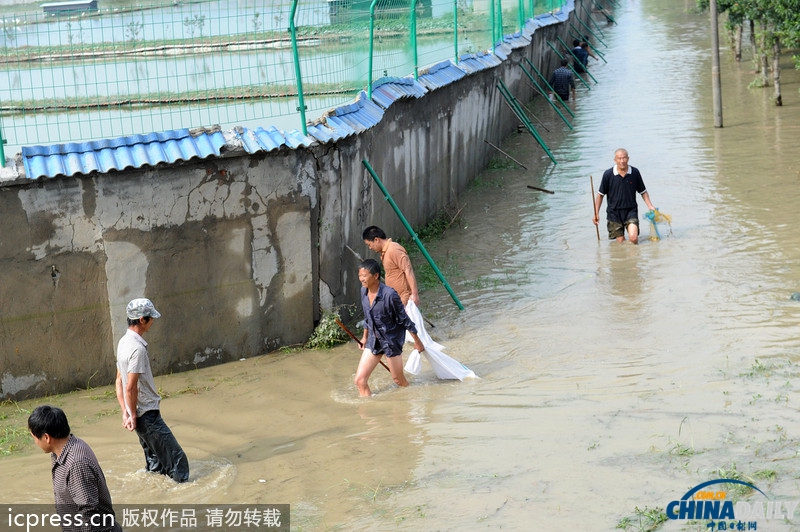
(453, 219)
(354, 253)
(504, 153)
(541, 189)
(594, 208)
(353, 336)
(531, 112)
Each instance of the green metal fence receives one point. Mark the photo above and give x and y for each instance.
(129, 68)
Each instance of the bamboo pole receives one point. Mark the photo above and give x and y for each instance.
(594, 209)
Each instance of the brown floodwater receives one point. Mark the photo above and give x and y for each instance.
(613, 377)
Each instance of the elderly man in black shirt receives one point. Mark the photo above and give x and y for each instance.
(621, 183)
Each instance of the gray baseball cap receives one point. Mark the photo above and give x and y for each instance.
(140, 308)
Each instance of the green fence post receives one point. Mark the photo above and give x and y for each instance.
(411, 232)
(499, 20)
(455, 28)
(521, 15)
(544, 94)
(605, 11)
(491, 22)
(589, 29)
(516, 108)
(591, 18)
(2, 150)
(301, 104)
(371, 46)
(414, 37)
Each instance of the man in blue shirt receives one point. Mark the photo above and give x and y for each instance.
(582, 54)
(385, 326)
(620, 184)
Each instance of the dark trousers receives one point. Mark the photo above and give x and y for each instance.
(162, 452)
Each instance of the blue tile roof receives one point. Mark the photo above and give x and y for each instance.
(517, 40)
(120, 153)
(346, 120)
(270, 139)
(386, 91)
(152, 149)
(471, 63)
(440, 75)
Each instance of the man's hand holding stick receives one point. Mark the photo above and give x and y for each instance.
(353, 336)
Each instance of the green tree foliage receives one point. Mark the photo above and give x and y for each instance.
(782, 16)
(778, 25)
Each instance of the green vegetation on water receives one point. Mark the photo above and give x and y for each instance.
(643, 520)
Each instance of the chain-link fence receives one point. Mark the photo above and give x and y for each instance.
(77, 71)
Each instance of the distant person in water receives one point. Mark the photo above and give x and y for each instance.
(620, 184)
(385, 326)
(582, 56)
(562, 81)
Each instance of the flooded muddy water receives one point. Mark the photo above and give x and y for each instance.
(614, 377)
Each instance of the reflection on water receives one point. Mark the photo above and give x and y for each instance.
(613, 377)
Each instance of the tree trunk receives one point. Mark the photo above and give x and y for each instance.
(762, 53)
(737, 43)
(753, 44)
(776, 69)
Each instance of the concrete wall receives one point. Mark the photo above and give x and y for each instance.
(239, 253)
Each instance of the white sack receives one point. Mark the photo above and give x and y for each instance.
(444, 366)
(414, 363)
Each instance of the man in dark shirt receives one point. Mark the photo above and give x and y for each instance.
(81, 494)
(562, 81)
(620, 184)
(385, 326)
(582, 56)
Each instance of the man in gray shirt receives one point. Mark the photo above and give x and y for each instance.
(139, 400)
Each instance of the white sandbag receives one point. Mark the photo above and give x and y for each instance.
(444, 366)
(447, 367)
(416, 316)
(414, 363)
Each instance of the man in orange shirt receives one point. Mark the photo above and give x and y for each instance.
(396, 264)
(400, 277)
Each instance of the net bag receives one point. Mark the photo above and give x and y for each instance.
(656, 218)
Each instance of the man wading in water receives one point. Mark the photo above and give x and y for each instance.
(620, 184)
(385, 326)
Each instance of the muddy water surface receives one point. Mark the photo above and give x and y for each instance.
(613, 377)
